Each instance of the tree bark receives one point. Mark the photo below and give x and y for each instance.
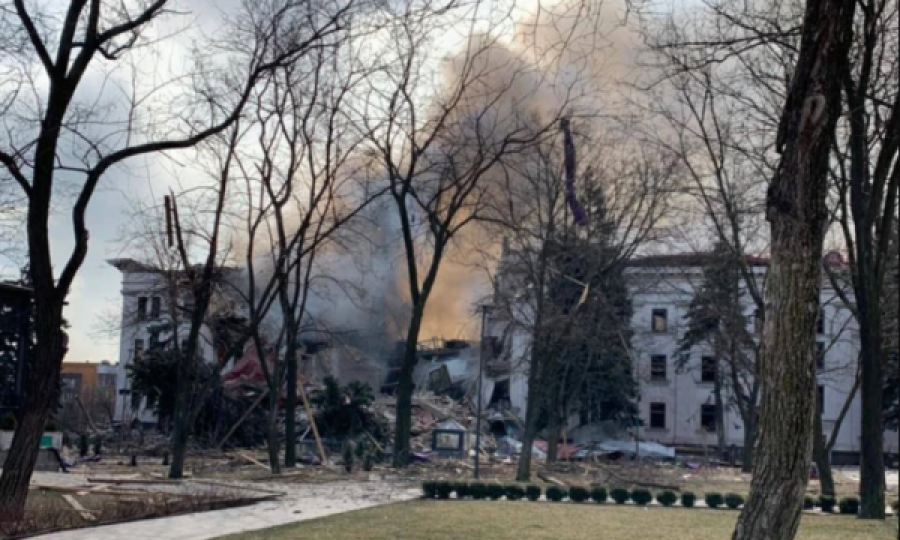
(403, 424)
(797, 211)
(273, 446)
(871, 464)
(554, 430)
(749, 445)
(820, 456)
(290, 403)
(720, 412)
(532, 407)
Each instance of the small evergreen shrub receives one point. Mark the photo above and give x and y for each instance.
(641, 497)
(514, 492)
(495, 491)
(826, 504)
(667, 498)
(714, 500)
(444, 489)
(599, 495)
(477, 490)
(556, 493)
(429, 489)
(733, 500)
(688, 499)
(532, 492)
(809, 503)
(8, 422)
(462, 490)
(579, 494)
(619, 495)
(849, 505)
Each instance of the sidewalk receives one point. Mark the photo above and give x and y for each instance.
(302, 502)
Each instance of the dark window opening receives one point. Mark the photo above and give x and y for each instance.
(708, 417)
(657, 416)
(820, 355)
(155, 307)
(142, 308)
(658, 367)
(660, 321)
(820, 399)
(500, 395)
(138, 347)
(820, 322)
(708, 367)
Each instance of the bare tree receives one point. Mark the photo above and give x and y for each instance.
(47, 109)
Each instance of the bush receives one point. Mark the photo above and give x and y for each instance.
(532, 492)
(8, 422)
(579, 494)
(477, 490)
(619, 495)
(667, 498)
(556, 493)
(849, 505)
(598, 495)
(733, 500)
(444, 489)
(462, 490)
(514, 492)
(688, 499)
(348, 457)
(826, 504)
(714, 500)
(809, 503)
(641, 497)
(429, 489)
(495, 491)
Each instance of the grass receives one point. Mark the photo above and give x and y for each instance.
(469, 520)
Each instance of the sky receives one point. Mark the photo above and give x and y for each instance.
(95, 293)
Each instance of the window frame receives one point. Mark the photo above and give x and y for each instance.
(711, 409)
(655, 414)
(665, 367)
(704, 371)
(659, 314)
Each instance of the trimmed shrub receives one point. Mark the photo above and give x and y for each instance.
(429, 489)
(533, 492)
(514, 492)
(579, 494)
(619, 495)
(733, 500)
(556, 493)
(667, 498)
(714, 500)
(598, 495)
(495, 491)
(462, 490)
(849, 505)
(444, 489)
(688, 499)
(477, 490)
(826, 504)
(809, 503)
(641, 497)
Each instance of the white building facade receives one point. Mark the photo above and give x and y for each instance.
(676, 404)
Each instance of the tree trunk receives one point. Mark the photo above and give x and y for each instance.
(554, 429)
(749, 444)
(871, 465)
(403, 423)
(820, 456)
(40, 388)
(180, 433)
(720, 413)
(797, 211)
(272, 444)
(523, 470)
(290, 404)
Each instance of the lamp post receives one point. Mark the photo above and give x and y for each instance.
(484, 312)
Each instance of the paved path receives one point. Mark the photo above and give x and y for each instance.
(301, 503)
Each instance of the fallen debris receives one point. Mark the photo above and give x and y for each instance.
(79, 508)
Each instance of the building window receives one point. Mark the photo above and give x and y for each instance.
(155, 307)
(820, 354)
(660, 321)
(107, 380)
(820, 399)
(658, 367)
(70, 387)
(142, 308)
(708, 368)
(138, 347)
(657, 416)
(708, 417)
(820, 322)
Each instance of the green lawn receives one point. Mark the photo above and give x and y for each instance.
(484, 520)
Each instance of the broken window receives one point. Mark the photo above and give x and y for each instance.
(708, 369)
(820, 399)
(142, 308)
(660, 321)
(708, 417)
(820, 354)
(820, 322)
(155, 307)
(658, 367)
(657, 416)
(138, 347)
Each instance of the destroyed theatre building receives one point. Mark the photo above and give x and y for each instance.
(676, 403)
